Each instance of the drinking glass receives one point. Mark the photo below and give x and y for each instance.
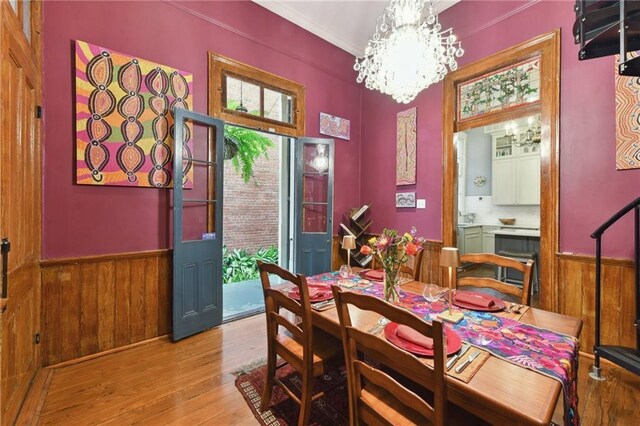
(432, 293)
(345, 271)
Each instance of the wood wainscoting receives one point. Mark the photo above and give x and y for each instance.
(94, 304)
(576, 297)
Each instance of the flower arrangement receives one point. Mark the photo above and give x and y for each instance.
(393, 250)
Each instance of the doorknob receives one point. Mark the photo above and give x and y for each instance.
(5, 248)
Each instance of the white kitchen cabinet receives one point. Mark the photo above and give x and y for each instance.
(489, 239)
(515, 177)
(528, 180)
(470, 239)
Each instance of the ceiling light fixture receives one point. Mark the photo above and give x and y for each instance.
(408, 52)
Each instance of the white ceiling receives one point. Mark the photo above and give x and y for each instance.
(347, 24)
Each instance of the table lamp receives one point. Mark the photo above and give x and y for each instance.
(450, 258)
(349, 243)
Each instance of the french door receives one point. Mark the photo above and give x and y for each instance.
(19, 207)
(197, 223)
(313, 185)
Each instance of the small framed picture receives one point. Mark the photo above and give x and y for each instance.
(405, 199)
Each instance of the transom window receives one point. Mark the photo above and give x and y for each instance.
(247, 96)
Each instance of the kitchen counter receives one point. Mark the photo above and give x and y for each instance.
(467, 225)
(517, 232)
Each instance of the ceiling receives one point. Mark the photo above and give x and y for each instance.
(347, 24)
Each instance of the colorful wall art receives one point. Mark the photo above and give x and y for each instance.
(406, 147)
(627, 121)
(331, 125)
(124, 119)
(509, 87)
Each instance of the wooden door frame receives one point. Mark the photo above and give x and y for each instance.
(547, 46)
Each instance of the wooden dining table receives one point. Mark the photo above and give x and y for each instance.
(500, 392)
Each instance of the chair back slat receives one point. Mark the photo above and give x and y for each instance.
(274, 300)
(355, 340)
(412, 268)
(524, 292)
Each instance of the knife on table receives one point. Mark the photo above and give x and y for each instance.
(457, 356)
(467, 362)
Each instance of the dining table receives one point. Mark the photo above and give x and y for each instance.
(500, 392)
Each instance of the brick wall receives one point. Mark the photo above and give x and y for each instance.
(251, 210)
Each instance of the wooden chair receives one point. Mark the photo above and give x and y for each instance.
(383, 400)
(522, 294)
(411, 269)
(310, 351)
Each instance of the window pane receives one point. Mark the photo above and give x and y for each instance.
(315, 187)
(316, 158)
(26, 18)
(278, 106)
(241, 94)
(314, 218)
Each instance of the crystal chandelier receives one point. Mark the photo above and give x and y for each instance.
(408, 52)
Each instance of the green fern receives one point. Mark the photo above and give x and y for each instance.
(251, 145)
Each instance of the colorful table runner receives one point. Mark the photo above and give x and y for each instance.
(544, 351)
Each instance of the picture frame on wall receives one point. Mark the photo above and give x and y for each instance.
(337, 127)
(405, 200)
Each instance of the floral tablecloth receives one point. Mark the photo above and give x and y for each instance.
(544, 351)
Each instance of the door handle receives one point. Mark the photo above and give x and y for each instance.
(5, 248)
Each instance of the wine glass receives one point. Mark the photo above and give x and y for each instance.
(345, 273)
(432, 293)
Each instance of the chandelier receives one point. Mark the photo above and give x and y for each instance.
(408, 52)
(532, 136)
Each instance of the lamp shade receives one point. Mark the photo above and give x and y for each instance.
(450, 257)
(348, 242)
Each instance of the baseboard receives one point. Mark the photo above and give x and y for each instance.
(32, 406)
(108, 352)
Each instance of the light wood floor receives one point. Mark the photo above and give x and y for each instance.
(191, 382)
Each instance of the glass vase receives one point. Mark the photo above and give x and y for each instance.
(391, 293)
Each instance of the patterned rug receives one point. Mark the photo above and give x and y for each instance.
(331, 409)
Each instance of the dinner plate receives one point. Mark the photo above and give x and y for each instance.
(498, 304)
(326, 295)
(453, 341)
(378, 274)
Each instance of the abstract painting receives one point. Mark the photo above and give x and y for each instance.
(627, 121)
(406, 147)
(124, 119)
(509, 87)
(331, 125)
(405, 199)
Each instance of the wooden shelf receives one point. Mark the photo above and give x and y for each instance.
(356, 224)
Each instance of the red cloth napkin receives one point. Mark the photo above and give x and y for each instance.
(375, 275)
(410, 335)
(313, 292)
(474, 299)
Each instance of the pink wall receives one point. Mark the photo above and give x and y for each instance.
(591, 188)
(87, 220)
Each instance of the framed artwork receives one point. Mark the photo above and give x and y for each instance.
(331, 125)
(509, 87)
(124, 119)
(406, 147)
(405, 199)
(627, 124)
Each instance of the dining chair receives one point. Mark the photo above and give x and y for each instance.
(506, 291)
(411, 269)
(375, 397)
(310, 351)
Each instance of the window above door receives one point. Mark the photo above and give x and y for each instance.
(247, 96)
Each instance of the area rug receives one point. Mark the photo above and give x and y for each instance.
(331, 409)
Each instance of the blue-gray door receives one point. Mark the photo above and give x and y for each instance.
(197, 223)
(313, 183)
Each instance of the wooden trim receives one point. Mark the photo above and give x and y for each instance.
(107, 352)
(104, 257)
(220, 66)
(547, 46)
(34, 401)
(586, 258)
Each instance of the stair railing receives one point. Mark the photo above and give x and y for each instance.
(597, 235)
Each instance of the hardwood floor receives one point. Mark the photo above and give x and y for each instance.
(191, 382)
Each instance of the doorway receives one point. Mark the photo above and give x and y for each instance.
(480, 112)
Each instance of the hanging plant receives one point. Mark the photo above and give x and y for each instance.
(243, 147)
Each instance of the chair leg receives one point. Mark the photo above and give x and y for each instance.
(268, 383)
(305, 400)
